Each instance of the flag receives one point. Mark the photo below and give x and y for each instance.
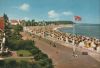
(77, 18)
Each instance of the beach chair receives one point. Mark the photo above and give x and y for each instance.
(84, 53)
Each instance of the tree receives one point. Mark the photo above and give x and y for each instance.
(7, 29)
(2, 62)
(35, 51)
(6, 18)
(12, 63)
(24, 64)
(18, 28)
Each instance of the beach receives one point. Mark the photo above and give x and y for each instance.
(60, 50)
(92, 53)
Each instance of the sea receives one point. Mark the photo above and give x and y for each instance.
(89, 30)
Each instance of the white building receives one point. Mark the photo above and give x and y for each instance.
(14, 22)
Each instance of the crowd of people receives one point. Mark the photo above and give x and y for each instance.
(92, 44)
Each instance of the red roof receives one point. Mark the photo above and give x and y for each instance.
(2, 23)
(14, 21)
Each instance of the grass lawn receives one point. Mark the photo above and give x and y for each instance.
(24, 53)
(20, 59)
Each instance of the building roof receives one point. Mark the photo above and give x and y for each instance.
(14, 21)
(2, 23)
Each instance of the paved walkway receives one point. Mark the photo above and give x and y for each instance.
(31, 57)
(19, 57)
(62, 56)
(93, 54)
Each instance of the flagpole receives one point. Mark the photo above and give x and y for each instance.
(76, 19)
(73, 32)
(73, 41)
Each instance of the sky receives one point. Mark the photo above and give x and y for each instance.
(48, 10)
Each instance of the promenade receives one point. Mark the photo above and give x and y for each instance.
(62, 55)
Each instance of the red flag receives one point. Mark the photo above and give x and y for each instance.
(77, 18)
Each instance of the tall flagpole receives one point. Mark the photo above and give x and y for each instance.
(73, 42)
(76, 19)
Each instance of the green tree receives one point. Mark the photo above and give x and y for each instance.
(7, 29)
(35, 51)
(2, 63)
(12, 63)
(18, 28)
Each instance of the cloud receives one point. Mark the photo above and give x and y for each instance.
(24, 7)
(67, 13)
(53, 14)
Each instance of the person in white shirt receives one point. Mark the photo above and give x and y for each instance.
(93, 45)
(98, 49)
(67, 40)
(81, 44)
(74, 51)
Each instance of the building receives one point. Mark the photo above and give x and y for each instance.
(1, 33)
(14, 22)
(2, 36)
(1, 23)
